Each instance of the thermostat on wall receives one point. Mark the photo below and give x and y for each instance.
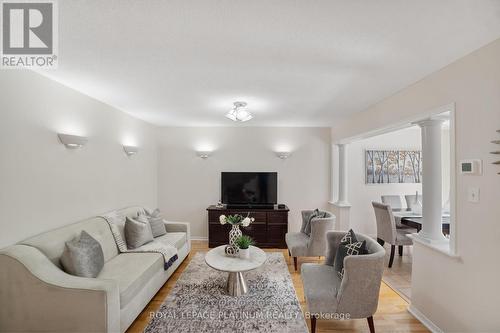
(470, 167)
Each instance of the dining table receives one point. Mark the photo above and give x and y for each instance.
(414, 220)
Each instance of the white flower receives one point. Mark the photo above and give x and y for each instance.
(252, 219)
(222, 219)
(246, 222)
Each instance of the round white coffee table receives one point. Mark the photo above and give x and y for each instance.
(235, 266)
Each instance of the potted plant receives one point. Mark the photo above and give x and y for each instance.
(235, 221)
(243, 243)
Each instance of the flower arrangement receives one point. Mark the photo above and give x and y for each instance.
(236, 219)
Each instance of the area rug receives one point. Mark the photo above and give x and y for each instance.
(199, 301)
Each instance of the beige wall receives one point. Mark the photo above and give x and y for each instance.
(456, 295)
(43, 185)
(189, 184)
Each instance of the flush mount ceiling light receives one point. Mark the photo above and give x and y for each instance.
(72, 141)
(130, 150)
(239, 112)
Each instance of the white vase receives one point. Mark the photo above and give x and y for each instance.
(234, 234)
(245, 253)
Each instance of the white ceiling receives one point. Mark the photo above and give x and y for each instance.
(296, 63)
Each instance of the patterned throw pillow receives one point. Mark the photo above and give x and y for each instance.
(156, 221)
(83, 256)
(137, 233)
(349, 246)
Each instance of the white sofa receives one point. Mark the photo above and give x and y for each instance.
(37, 295)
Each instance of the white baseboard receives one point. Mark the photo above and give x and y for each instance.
(424, 320)
(194, 238)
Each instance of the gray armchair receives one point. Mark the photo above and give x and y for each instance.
(300, 244)
(387, 231)
(354, 296)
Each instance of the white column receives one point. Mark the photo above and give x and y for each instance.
(341, 208)
(431, 181)
(342, 198)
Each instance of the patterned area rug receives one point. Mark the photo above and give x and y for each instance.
(199, 302)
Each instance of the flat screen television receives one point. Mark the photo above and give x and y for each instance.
(249, 188)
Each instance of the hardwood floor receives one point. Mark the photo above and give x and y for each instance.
(398, 277)
(391, 315)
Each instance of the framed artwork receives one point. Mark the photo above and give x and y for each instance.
(393, 166)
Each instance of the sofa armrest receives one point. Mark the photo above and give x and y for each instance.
(317, 245)
(359, 290)
(179, 227)
(36, 295)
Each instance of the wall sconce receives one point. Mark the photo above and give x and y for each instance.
(130, 150)
(283, 154)
(203, 154)
(72, 141)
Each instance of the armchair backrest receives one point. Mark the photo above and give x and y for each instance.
(394, 201)
(360, 286)
(306, 215)
(386, 225)
(320, 226)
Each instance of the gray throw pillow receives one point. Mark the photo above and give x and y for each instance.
(154, 213)
(137, 233)
(157, 225)
(83, 256)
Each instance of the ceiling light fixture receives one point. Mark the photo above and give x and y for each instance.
(239, 112)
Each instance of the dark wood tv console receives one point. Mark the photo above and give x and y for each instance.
(268, 229)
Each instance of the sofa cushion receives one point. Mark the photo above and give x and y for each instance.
(321, 286)
(52, 243)
(132, 271)
(177, 239)
(83, 256)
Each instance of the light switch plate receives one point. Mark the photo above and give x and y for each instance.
(473, 194)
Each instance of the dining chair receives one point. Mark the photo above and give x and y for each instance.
(387, 231)
(394, 201)
(410, 200)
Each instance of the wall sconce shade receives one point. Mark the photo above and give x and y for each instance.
(72, 141)
(130, 150)
(203, 154)
(283, 154)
